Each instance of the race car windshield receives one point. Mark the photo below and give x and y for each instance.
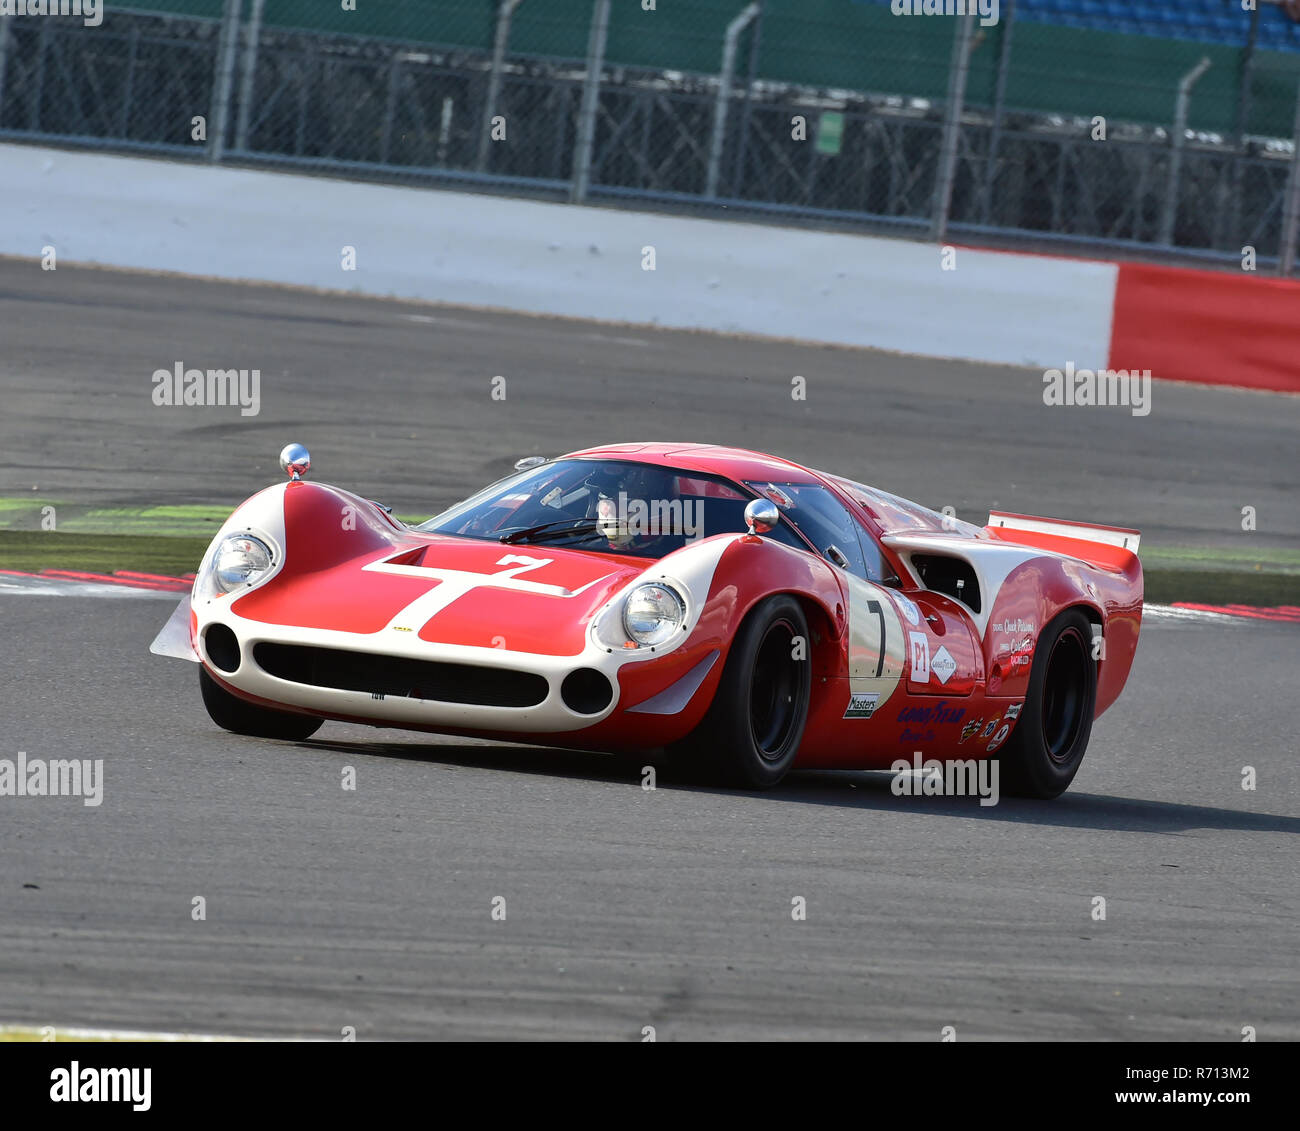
(607, 506)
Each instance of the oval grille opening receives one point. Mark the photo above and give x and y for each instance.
(222, 647)
(586, 691)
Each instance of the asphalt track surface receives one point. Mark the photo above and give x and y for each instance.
(625, 908)
(394, 401)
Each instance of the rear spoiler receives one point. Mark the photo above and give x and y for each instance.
(1118, 536)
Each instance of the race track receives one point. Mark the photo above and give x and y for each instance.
(394, 400)
(372, 908)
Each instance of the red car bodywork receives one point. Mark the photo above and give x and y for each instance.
(962, 673)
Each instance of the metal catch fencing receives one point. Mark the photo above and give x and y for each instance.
(945, 127)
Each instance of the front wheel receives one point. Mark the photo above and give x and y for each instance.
(1045, 751)
(236, 715)
(753, 729)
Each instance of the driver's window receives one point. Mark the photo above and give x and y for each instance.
(829, 526)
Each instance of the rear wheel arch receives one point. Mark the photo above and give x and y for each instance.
(1051, 736)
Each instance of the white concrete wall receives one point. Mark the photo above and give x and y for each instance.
(584, 262)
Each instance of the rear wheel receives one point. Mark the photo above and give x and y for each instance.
(1051, 737)
(240, 717)
(752, 732)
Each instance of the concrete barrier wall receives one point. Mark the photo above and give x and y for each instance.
(556, 259)
(1214, 327)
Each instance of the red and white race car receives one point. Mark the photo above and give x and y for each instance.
(750, 613)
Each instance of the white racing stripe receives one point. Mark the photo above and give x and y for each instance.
(1155, 615)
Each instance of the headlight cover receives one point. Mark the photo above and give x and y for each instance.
(652, 613)
(240, 560)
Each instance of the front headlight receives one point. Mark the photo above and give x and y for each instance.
(240, 560)
(652, 613)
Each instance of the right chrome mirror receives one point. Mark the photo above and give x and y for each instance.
(761, 515)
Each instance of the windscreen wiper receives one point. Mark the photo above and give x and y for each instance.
(549, 530)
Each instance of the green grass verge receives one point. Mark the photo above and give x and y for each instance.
(1221, 587)
(1271, 559)
(30, 551)
(194, 520)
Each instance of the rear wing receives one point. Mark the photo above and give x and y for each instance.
(1118, 536)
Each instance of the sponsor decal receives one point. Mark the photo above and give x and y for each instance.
(1000, 737)
(862, 704)
(1021, 651)
(1013, 712)
(971, 729)
(1012, 626)
(942, 665)
(988, 730)
(920, 648)
(910, 611)
(941, 714)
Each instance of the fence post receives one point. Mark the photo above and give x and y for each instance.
(1008, 23)
(1179, 139)
(248, 75)
(742, 145)
(223, 80)
(957, 72)
(725, 80)
(1291, 205)
(590, 101)
(504, 16)
(4, 60)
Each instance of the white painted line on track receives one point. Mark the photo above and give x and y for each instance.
(62, 587)
(1170, 615)
(46, 1033)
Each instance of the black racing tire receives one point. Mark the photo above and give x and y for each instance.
(240, 717)
(753, 729)
(1051, 736)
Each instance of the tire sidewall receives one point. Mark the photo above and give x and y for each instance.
(240, 717)
(736, 751)
(1027, 765)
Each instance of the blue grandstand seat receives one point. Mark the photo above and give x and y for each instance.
(1209, 21)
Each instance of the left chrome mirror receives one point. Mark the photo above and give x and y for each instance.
(761, 515)
(295, 460)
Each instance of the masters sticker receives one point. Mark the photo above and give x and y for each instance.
(862, 704)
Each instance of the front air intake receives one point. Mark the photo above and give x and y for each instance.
(400, 677)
